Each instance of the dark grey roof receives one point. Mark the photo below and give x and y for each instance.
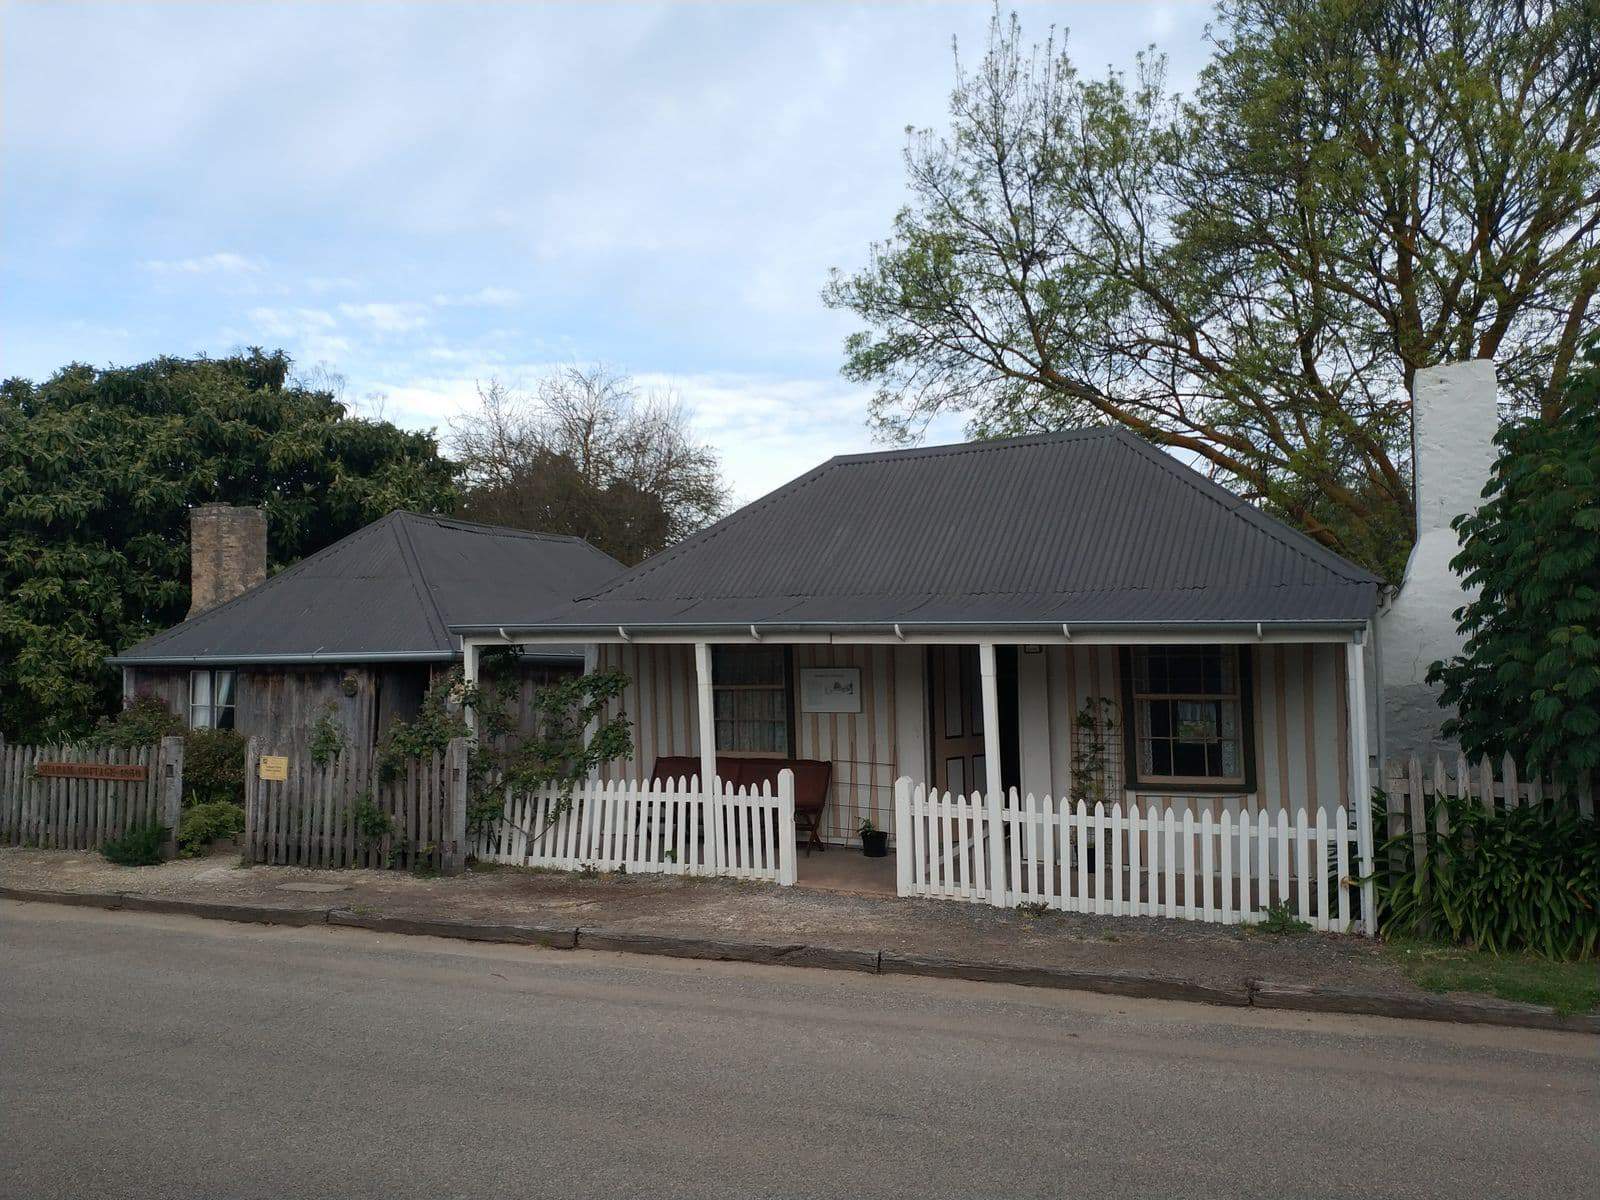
(1090, 527)
(388, 591)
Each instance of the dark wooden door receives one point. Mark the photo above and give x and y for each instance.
(956, 719)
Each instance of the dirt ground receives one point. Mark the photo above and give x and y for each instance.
(754, 912)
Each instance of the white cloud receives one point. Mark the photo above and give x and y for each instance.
(386, 318)
(224, 262)
(487, 297)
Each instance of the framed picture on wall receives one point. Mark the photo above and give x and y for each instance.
(830, 689)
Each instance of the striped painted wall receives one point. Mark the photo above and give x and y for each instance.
(1300, 721)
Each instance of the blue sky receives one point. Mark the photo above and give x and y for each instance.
(419, 196)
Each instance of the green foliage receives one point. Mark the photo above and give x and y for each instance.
(1091, 768)
(98, 471)
(327, 736)
(865, 826)
(213, 759)
(140, 846)
(370, 822)
(205, 823)
(1504, 881)
(144, 722)
(1252, 274)
(1281, 921)
(1528, 678)
(1568, 987)
(213, 766)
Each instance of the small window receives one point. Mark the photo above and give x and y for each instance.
(750, 698)
(1189, 715)
(211, 697)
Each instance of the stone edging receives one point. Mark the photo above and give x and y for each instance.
(1480, 1010)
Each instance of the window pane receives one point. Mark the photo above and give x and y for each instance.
(200, 688)
(1189, 759)
(223, 687)
(225, 717)
(1185, 673)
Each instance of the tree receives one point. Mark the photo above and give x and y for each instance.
(1356, 189)
(98, 471)
(585, 454)
(1528, 678)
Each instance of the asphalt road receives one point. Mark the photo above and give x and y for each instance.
(158, 1056)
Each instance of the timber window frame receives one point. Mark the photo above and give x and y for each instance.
(1206, 688)
(213, 698)
(752, 700)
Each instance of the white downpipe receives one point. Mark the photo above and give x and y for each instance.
(1360, 780)
(710, 785)
(991, 760)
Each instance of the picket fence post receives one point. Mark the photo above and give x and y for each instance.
(252, 800)
(170, 771)
(453, 843)
(786, 863)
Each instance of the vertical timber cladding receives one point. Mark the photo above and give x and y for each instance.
(1300, 723)
(661, 702)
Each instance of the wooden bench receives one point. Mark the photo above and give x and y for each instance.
(813, 779)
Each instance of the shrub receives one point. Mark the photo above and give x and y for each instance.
(213, 767)
(204, 823)
(145, 721)
(140, 846)
(1501, 880)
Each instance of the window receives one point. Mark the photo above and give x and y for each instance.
(750, 697)
(211, 696)
(1189, 715)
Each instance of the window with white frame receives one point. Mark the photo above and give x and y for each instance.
(750, 697)
(211, 697)
(1189, 715)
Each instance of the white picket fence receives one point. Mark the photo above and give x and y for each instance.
(1149, 862)
(671, 828)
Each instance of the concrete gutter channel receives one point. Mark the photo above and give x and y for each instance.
(1153, 985)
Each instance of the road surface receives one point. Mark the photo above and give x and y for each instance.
(158, 1056)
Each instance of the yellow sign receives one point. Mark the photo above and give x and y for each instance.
(274, 766)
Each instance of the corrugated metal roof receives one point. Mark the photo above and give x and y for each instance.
(390, 590)
(1092, 526)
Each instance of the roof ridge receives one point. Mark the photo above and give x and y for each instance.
(420, 582)
(484, 527)
(1297, 542)
(293, 570)
(976, 445)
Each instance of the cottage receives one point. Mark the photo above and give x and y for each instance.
(1075, 614)
(358, 630)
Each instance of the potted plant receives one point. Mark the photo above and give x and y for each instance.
(874, 841)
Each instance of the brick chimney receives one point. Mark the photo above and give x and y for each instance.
(1454, 419)
(227, 553)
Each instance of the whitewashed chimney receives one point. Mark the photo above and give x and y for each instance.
(227, 554)
(1454, 419)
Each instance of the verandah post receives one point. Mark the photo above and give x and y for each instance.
(1360, 782)
(710, 787)
(786, 863)
(991, 759)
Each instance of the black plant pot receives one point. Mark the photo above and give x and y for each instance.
(875, 844)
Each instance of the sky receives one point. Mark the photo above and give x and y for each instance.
(419, 197)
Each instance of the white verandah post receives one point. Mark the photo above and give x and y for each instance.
(710, 786)
(471, 657)
(991, 761)
(1360, 781)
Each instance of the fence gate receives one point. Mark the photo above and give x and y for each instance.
(347, 813)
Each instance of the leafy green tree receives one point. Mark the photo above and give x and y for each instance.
(98, 471)
(1528, 678)
(1252, 276)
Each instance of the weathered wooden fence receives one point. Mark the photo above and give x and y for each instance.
(1147, 861)
(671, 827)
(344, 813)
(78, 797)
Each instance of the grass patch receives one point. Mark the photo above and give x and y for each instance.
(1280, 921)
(1568, 987)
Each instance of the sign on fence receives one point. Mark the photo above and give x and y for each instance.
(274, 767)
(81, 770)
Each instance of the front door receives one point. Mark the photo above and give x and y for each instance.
(956, 719)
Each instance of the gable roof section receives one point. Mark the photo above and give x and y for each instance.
(389, 591)
(1090, 527)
